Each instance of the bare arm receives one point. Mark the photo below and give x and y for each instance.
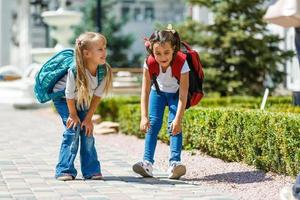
(183, 91)
(87, 122)
(146, 86)
(73, 119)
(94, 104)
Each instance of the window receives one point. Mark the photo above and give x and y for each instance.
(138, 14)
(149, 13)
(125, 12)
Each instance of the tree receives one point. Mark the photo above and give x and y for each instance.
(118, 44)
(240, 55)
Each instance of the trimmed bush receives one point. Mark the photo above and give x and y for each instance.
(245, 102)
(264, 139)
(131, 125)
(274, 104)
(270, 141)
(109, 107)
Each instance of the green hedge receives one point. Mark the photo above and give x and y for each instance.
(109, 107)
(269, 141)
(245, 102)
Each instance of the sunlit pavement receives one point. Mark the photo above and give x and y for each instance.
(29, 145)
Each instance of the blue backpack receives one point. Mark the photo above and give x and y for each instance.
(53, 70)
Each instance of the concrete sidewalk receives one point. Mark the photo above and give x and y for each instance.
(29, 146)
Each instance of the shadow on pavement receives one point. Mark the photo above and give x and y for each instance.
(235, 177)
(153, 181)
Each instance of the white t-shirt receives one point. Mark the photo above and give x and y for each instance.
(68, 82)
(166, 82)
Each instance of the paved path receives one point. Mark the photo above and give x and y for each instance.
(29, 145)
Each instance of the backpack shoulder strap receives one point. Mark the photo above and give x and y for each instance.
(153, 66)
(101, 71)
(153, 69)
(74, 70)
(178, 64)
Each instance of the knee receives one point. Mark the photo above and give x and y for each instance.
(169, 131)
(68, 136)
(155, 123)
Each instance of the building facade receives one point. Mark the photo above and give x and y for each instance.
(142, 16)
(22, 28)
(19, 33)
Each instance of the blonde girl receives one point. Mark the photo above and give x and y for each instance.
(83, 91)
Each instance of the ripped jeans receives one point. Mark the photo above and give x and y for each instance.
(69, 147)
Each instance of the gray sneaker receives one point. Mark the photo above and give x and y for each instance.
(176, 170)
(97, 177)
(143, 168)
(65, 178)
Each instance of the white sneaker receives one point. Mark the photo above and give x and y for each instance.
(143, 168)
(176, 170)
(286, 193)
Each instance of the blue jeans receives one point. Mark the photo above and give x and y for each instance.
(157, 104)
(69, 147)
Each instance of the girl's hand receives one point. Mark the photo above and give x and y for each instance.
(145, 124)
(89, 127)
(175, 127)
(73, 121)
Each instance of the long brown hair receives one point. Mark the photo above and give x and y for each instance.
(84, 42)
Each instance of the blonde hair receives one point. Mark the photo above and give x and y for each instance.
(84, 42)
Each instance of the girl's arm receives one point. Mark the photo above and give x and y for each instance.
(183, 91)
(73, 119)
(146, 85)
(87, 122)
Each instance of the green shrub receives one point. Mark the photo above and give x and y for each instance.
(129, 118)
(131, 125)
(109, 107)
(230, 128)
(267, 140)
(273, 104)
(264, 139)
(244, 101)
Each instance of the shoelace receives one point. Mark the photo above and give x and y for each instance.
(146, 164)
(174, 164)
